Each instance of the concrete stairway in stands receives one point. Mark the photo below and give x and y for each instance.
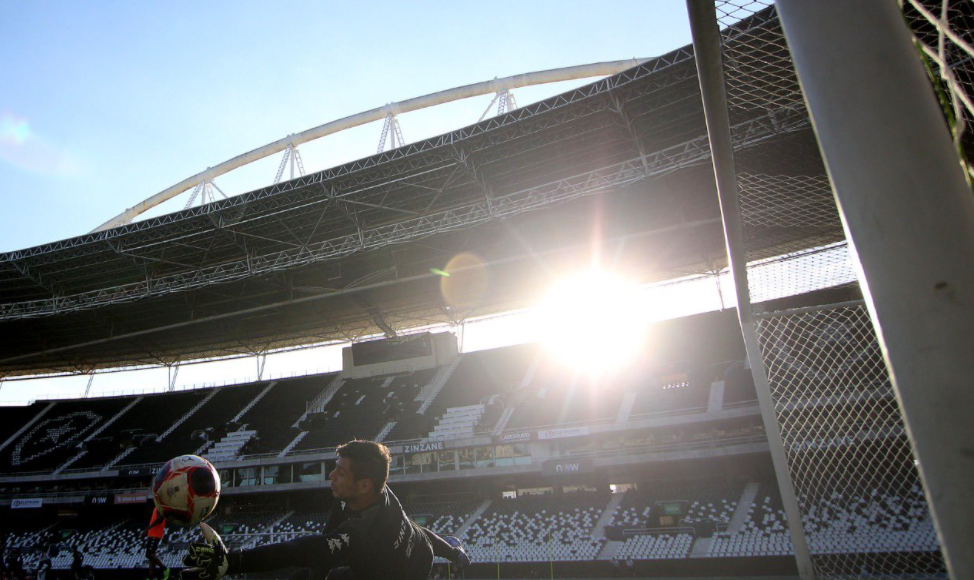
(473, 517)
(701, 547)
(607, 514)
(255, 400)
(291, 445)
(226, 449)
(743, 505)
(385, 431)
(609, 550)
(322, 399)
(457, 422)
(429, 392)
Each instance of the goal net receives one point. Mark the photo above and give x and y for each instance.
(849, 458)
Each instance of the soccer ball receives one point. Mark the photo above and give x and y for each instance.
(186, 490)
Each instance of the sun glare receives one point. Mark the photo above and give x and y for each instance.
(593, 321)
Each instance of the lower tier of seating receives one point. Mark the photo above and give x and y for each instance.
(718, 520)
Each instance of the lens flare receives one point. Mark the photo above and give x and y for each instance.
(594, 322)
(14, 130)
(466, 281)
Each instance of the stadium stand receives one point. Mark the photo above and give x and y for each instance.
(149, 418)
(671, 392)
(764, 531)
(538, 528)
(478, 377)
(658, 546)
(706, 502)
(225, 404)
(275, 413)
(585, 403)
(884, 520)
(361, 408)
(12, 419)
(298, 524)
(560, 527)
(739, 385)
(55, 438)
(540, 403)
(444, 517)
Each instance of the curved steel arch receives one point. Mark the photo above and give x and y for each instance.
(431, 100)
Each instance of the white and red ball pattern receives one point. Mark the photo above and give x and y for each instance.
(186, 490)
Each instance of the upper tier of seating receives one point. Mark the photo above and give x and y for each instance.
(739, 385)
(142, 423)
(58, 435)
(275, 413)
(515, 387)
(477, 377)
(224, 404)
(13, 419)
(362, 408)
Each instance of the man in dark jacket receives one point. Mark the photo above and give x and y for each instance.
(368, 535)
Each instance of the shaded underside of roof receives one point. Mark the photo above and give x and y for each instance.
(619, 168)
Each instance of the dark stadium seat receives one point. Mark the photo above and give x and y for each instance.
(225, 404)
(152, 416)
(664, 393)
(274, 414)
(541, 402)
(56, 437)
(362, 408)
(478, 376)
(739, 386)
(13, 418)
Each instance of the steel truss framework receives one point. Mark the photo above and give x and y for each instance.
(385, 217)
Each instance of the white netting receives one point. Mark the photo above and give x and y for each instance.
(850, 461)
(944, 34)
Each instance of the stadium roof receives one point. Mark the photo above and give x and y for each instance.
(619, 166)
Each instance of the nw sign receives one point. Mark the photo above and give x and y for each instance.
(566, 466)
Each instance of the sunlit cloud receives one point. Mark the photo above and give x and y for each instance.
(22, 148)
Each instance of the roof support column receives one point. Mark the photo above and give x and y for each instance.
(909, 216)
(707, 52)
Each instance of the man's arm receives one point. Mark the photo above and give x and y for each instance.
(324, 552)
(210, 560)
(443, 548)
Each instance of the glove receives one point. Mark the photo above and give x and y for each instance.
(206, 560)
(461, 558)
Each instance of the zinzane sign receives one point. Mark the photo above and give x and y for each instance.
(34, 502)
(566, 466)
(428, 446)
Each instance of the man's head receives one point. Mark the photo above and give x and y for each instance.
(361, 472)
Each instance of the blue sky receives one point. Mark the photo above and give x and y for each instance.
(104, 104)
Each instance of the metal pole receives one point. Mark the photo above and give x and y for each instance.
(707, 53)
(909, 216)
